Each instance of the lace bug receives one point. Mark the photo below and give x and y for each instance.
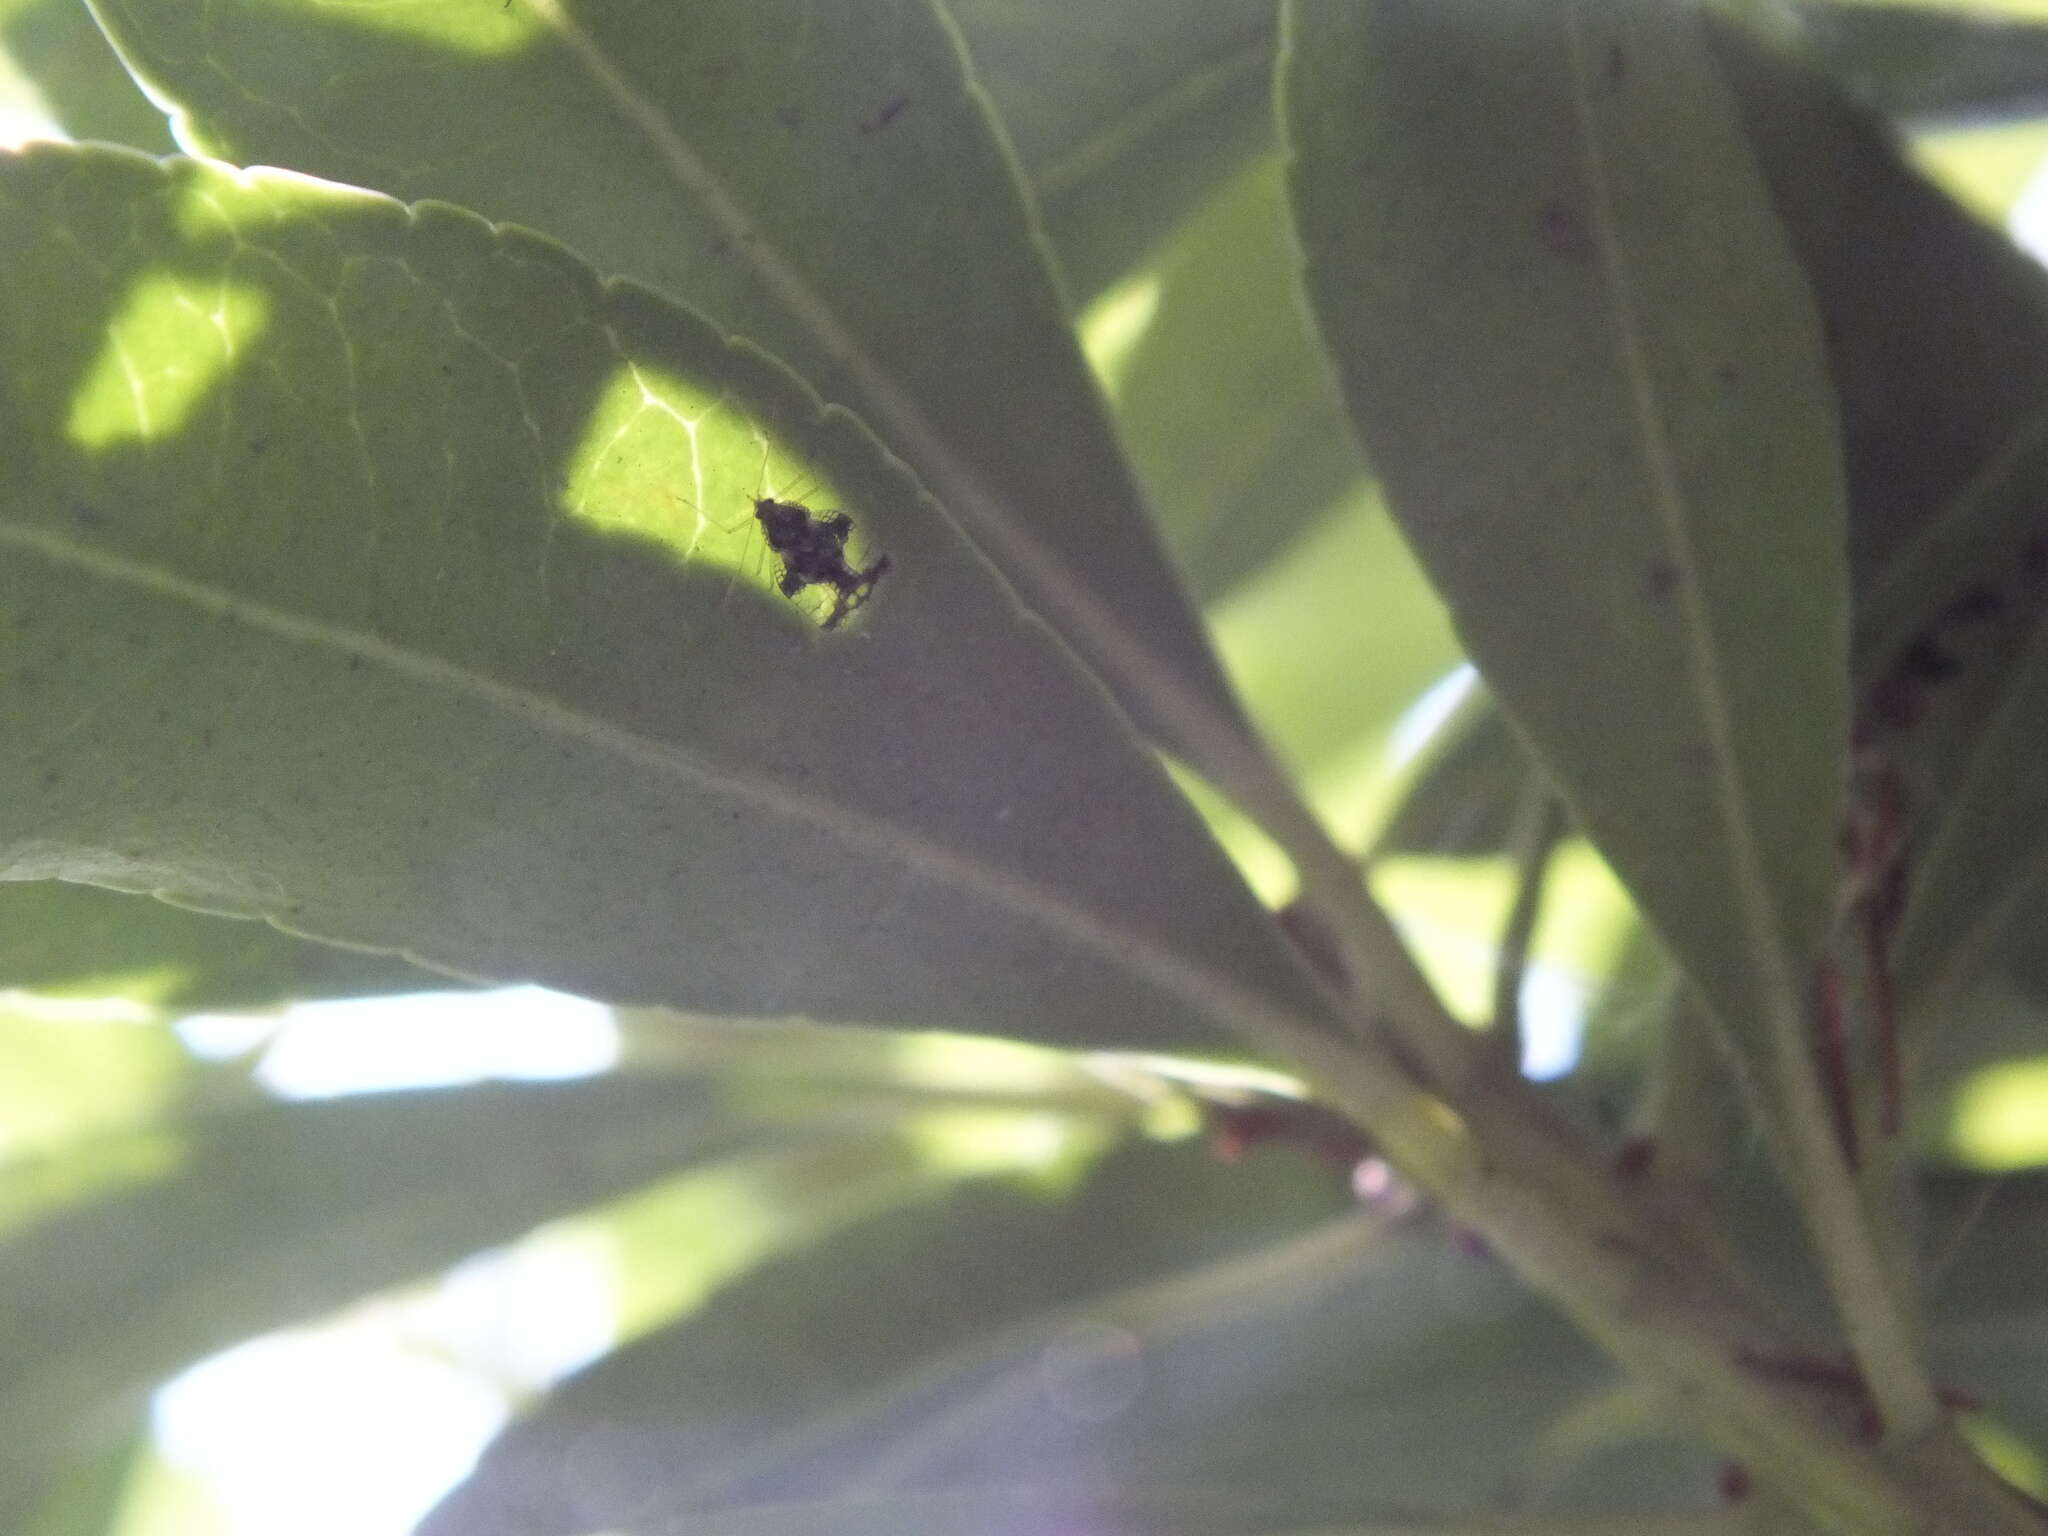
(812, 549)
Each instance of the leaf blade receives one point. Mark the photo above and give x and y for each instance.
(827, 181)
(1581, 494)
(458, 673)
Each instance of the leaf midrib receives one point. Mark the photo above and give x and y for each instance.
(1763, 922)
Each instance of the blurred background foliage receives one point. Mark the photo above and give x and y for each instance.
(278, 1253)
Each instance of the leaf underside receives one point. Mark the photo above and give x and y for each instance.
(387, 577)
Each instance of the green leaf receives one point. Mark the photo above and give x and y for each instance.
(1989, 846)
(385, 576)
(1227, 405)
(1945, 65)
(1225, 401)
(1463, 802)
(826, 180)
(1348, 588)
(1938, 341)
(60, 938)
(89, 1495)
(275, 1213)
(1585, 365)
(61, 51)
(1937, 338)
(1123, 116)
(1174, 1326)
(1983, 1257)
(1200, 1512)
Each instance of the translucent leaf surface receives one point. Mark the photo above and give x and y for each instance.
(1122, 115)
(1174, 1326)
(1930, 62)
(1990, 844)
(80, 939)
(1937, 333)
(61, 52)
(1348, 588)
(272, 1213)
(1585, 365)
(89, 1495)
(825, 180)
(1463, 801)
(385, 576)
(1937, 340)
(1226, 400)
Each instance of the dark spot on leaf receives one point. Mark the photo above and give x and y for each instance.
(1614, 67)
(1470, 1242)
(51, 778)
(791, 117)
(355, 663)
(1894, 705)
(163, 716)
(1635, 1157)
(1562, 229)
(1924, 661)
(87, 518)
(206, 738)
(258, 446)
(1661, 579)
(1734, 1482)
(886, 114)
(1727, 373)
(1979, 600)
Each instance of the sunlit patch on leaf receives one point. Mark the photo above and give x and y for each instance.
(1450, 910)
(453, 26)
(1986, 169)
(1453, 911)
(673, 462)
(2001, 1117)
(1265, 868)
(2011, 1457)
(169, 346)
(968, 1063)
(971, 1142)
(1113, 326)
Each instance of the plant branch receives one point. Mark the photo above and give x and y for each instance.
(1663, 1304)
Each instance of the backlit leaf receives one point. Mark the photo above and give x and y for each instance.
(387, 577)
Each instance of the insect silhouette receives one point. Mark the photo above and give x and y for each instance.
(812, 549)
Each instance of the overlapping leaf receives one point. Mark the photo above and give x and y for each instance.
(273, 1213)
(826, 180)
(1174, 1328)
(62, 54)
(1123, 116)
(386, 577)
(1225, 401)
(57, 937)
(1585, 365)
